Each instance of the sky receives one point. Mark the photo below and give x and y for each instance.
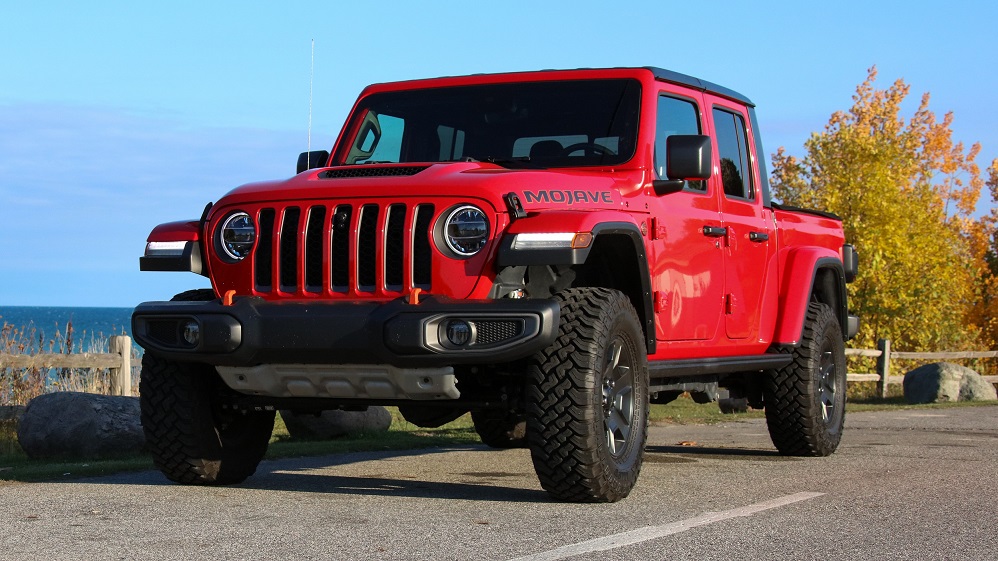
(118, 116)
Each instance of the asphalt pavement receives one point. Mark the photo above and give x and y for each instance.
(911, 485)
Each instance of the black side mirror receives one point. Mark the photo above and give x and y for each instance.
(312, 160)
(688, 157)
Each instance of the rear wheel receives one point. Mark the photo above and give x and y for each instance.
(805, 400)
(587, 399)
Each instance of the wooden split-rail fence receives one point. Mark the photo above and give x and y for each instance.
(885, 355)
(118, 360)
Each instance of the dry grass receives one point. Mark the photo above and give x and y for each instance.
(18, 386)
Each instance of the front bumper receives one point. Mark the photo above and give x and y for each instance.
(254, 332)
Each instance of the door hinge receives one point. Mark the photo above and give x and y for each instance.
(657, 229)
(661, 300)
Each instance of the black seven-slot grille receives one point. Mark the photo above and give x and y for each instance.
(344, 248)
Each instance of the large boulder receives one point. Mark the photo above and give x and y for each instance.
(80, 426)
(944, 381)
(336, 423)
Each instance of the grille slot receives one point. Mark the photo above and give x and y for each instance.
(264, 257)
(344, 249)
(394, 248)
(313, 248)
(340, 262)
(367, 249)
(289, 249)
(422, 256)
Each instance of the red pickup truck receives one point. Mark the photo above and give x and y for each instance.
(549, 251)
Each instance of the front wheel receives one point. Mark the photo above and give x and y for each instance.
(587, 399)
(192, 440)
(806, 400)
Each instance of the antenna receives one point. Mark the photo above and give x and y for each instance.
(311, 74)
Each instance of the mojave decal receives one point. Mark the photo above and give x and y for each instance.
(568, 197)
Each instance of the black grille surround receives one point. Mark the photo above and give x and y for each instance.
(365, 250)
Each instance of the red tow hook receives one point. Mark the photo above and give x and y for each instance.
(413, 297)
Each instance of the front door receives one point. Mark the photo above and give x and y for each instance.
(687, 263)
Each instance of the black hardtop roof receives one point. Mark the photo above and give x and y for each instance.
(659, 73)
(702, 85)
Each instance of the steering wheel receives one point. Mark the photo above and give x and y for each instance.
(588, 147)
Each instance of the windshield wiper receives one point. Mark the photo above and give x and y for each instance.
(518, 162)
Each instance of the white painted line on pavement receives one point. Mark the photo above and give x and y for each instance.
(654, 532)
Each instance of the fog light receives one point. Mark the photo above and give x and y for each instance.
(458, 332)
(192, 333)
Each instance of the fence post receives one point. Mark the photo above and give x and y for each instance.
(121, 378)
(883, 366)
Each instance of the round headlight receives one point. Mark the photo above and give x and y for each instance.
(466, 230)
(236, 236)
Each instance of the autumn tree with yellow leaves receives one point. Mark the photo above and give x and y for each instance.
(906, 193)
(985, 313)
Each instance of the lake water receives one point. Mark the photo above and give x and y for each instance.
(50, 322)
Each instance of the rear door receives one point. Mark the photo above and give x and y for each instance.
(748, 237)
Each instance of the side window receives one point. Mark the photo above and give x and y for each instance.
(675, 116)
(732, 148)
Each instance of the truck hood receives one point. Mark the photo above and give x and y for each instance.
(537, 189)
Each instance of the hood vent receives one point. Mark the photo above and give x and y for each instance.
(368, 171)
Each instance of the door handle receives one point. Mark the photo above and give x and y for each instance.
(758, 237)
(715, 231)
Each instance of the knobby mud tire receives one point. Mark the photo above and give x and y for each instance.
(805, 400)
(191, 439)
(584, 447)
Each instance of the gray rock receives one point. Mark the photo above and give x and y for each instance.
(80, 426)
(944, 381)
(336, 423)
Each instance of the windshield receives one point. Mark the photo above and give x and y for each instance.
(527, 124)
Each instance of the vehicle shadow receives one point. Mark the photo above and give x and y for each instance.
(317, 474)
(720, 453)
(385, 486)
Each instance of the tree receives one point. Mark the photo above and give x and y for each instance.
(985, 313)
(906, 193)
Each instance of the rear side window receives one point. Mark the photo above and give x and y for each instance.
(675, 116)
(732, 148)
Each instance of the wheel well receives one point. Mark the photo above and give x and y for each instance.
(613, 263)
(829, 289)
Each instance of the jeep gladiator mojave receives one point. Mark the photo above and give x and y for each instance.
(550, 251)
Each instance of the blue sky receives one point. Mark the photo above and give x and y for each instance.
(117, 116)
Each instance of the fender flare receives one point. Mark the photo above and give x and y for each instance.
(189, 259)
(817, 266)
(508, 257)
